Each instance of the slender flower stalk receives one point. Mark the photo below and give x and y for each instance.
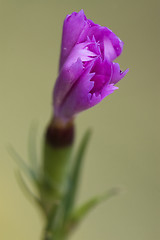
(87, 75)
(58, 145)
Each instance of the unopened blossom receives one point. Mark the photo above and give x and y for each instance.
(87, 71)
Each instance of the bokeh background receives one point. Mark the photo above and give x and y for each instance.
(125, 146)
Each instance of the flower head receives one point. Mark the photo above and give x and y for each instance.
(87, 73)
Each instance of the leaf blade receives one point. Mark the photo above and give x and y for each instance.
(82, 211)
(21, 163)
(32, 154)
(26, 189)
(74, 180)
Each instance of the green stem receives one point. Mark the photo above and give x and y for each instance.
(58, 146)
(49, 235)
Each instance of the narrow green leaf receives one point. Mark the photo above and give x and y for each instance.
(74, 179)
(21, 163)
(26, 189)
(81, 212)
(32, 145)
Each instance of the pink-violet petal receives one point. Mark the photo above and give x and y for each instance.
(108, 89)
(67, 77)
(117, 73)
(77, 99)
(102, 34)
(72, 28)
(99, 82)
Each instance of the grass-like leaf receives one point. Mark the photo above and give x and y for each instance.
(81, 212)
(26, 189)
(75, 174)
(23, 166)
(32, 146)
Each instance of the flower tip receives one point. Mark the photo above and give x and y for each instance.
(75, 14)
(125, 72)
(115, 88)
(81, 13)
(121, 44)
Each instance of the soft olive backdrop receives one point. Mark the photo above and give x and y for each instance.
(125, 146)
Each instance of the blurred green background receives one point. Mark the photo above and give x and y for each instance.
(125, 146)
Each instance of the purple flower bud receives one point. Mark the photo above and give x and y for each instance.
(87, 73)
